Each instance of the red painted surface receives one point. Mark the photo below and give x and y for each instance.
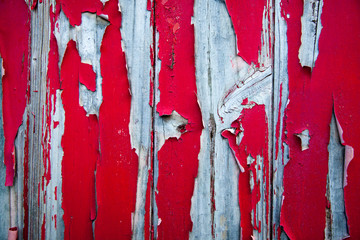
(178, 158)
(74, 8)
(148, 225)
(254, 142)
(117, 170)
(247, 19)
(334, 81)
(14, 50)
(43, 228)
(345, 35)
(305, 174)
(87, 76)
(80, 146)
(33, 4)
(333, 84)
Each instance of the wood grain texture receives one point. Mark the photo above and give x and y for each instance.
(170, 83)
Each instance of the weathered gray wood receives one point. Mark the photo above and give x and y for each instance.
(89, 37)
(40, 35)
(336, 224)
(215, 49)
(310, 32)
(218, 68)
(281, 94)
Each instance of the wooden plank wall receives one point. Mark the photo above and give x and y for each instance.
(167, 119)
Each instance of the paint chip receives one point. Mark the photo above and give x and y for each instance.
(173, 126)
(305, 138)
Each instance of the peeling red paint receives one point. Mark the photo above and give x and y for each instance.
(277, 133)
(117, 170)
(56, 123)
(43, 228)
(178, 158)
(80, 146)
(148, 225)
(305, 174)
(87, 76)
(52, 84)
(247, 18)
(345, 35)
(74, 8)
(33, 4)
(151, 7)
(14, 50)
(253, 124)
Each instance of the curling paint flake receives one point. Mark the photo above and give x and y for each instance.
(252, 124)
(80, 146)
(247, 18)
(117, 170)
(178, 158)
(345, 35)
(14, 50)
(334, 82)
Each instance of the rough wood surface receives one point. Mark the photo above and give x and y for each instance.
(225, 181)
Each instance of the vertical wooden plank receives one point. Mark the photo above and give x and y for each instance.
(4, 191)
(40, 36)
(215, 209)
(336, 224)
(246, 110)
(178, 122)
(137, 38)
(305, 174)
(280, 149)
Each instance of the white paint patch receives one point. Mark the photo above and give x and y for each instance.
(172, 126)
(2, 68)
(305, 139)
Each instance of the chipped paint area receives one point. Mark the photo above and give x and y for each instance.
(305, 139)
(177, 158)
(252, 25)
(249, 142)
(247, 18)
(117, 169)
(115, 136)
(310, 32)
(16, 74)
(324, 89)
(80, 146)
